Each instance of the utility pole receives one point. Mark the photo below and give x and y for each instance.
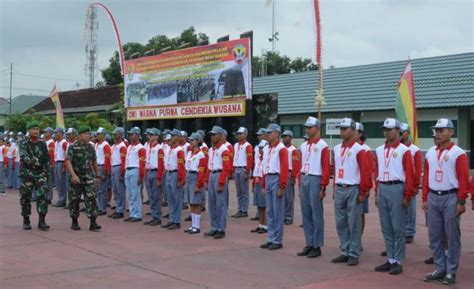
(11, 80)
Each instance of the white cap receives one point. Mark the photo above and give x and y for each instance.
(444, 123)
(359, 126)
(312, 121)
(391, 123)
(404, 127)
(101, 130)
(241, 130)
(167, 136)
(262, 143)
(346, 122)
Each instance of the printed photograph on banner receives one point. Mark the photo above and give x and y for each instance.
(220, 71)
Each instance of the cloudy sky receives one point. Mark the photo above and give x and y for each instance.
(44, 39)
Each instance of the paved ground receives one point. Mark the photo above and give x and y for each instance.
(127, 256)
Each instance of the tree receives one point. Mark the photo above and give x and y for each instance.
(17, 122)
(274, 63)
(112, 75)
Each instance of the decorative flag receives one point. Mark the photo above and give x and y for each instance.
(54, 95)
(319, 61)
(405, 105)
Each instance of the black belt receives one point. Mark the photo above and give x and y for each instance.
(192, 172)
(60, 161)
(290, 170)
(116, 166)
(239, 167)
(441, 193)
(308, 174)
(345, 185)
(100, 165)
(172, 171)
(216, 171)
(273, 174)
(152, 170)
(132, 168)
(392, 182)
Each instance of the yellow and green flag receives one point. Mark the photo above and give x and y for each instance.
(405, 105)
(54, 95)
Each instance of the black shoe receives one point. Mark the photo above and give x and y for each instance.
(117, 215)
(266, 245)
(219, 235)
(384, 267)
(194, 231)
(185, 207)
(101, 213)
(429, 261)
(315, 252)
(75, 225)
(167, 216)
(66, 207)
(148, 214)
(58, 205)
(42, 223)
(305, 251)
(237, 215)
(203, 209)
(301, 226)
(26, 223)
(109, 206)
(94, 227)
(164, 205)
(146, 203)
(188, 219)
(49, 202)
(155, 222)
(450, 279)
(82, 210)
(409, 239)
(113, 207)
(340, 259)
(288, 222)
(244, 215)
(127, 220)
(210, 233)
(262, 231)
(188, 230)
(435, 276)
(134, 220)
(256, 230)
(396, 269)
(166, 226)
(383, 253)
(146, 223)
(254, 219)
(174, 226)
(275, 247)
(352, 261)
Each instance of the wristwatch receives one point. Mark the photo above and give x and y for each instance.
(461, 202)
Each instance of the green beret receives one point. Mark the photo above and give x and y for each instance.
(32, 124)
(84, 129)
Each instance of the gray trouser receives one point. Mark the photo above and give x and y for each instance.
(61, 182)
(102, 189)
(242, 188)
(444, 224)
(392, 219)
(175, 197)
(290, 199)
(312, 211)
(134, 195)
(275, 209)
(218, 203)
(2, 178)
(348, 221)
(10, 172)
(410, 213)
(118, 187)
(154, 193)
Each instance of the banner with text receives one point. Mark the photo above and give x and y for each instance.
(204, 81)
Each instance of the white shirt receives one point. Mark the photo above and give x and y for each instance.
(347, 170)
(240, 154)
(215, 158)
(442, 175)
(311, 157)
(272, 159)
(192, 161)
(171, 158)
(290, 149)
(59, 152)
(133, 159)
(116, 157)
(391, 167)
(152, 157)
(100, 152)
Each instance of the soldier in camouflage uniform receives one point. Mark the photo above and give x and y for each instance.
(34, 173)
(82, 167)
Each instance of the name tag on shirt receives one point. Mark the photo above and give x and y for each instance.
(340, 174)
(386, 176)
(439, 175)
(306, 168)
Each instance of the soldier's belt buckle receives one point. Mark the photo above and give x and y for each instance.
(439, 193)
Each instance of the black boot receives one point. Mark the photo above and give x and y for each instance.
(75, 225)
(26, 223)
(94, 226)
(42, 223)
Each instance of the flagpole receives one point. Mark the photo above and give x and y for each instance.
(319, 94)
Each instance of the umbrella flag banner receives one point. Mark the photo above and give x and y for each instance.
(204, 81)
